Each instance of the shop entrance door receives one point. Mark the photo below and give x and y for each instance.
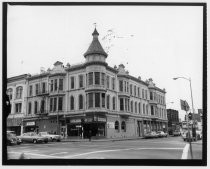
(139, 130)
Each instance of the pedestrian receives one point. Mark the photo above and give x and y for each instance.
(90, 134)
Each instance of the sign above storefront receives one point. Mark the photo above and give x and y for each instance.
(31, 123)
(75, 120)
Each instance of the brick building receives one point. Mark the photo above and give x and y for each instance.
(75, 99)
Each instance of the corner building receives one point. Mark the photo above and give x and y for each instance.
(93, 98)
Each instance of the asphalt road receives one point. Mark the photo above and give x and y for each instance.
(159, 148)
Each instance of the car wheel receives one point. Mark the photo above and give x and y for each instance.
(46, 141)
(34, 141)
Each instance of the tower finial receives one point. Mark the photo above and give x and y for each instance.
(94, 25)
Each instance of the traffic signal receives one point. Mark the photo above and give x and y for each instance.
(190, 116)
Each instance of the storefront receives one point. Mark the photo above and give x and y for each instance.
(30, 126)
(85, 126)
(14, 124)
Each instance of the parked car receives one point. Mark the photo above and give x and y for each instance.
(12, 139)
(152, 134)
(186, 137)
(162, 134)
(51, 137)
(176, 133)
(32, 137)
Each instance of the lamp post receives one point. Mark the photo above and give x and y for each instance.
(191, 96)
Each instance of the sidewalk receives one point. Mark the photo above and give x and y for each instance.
(99, 139)
(196, 150)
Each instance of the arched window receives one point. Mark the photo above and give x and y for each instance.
(29, 108)
(9, 93)
(80, 102)
(143, 109)
(113, 103)
(19, 91)
(71, 103)
(116, 125)
(123, 126)
(35, 107)
(135, 107)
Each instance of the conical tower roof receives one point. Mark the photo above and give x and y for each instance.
(95, 46)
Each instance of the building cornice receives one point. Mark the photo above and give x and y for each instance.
(16, 78)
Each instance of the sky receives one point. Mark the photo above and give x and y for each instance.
(158, 42)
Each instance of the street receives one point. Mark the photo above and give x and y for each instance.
(159, 148)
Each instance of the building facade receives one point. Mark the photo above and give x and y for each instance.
(93, 98)
(173, 120)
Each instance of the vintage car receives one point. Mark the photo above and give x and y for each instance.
(176, 133)
(151, 134)
(32, 137)
(51, 137)
(162, 134)
(187, 137)
(12, 139)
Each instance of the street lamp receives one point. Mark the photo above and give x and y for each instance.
(191, 94)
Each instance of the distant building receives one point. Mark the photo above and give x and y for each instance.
(173, 120)
(90, 96)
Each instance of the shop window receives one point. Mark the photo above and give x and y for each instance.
(55, 104)
(113, 103)
(107, 82)
(107, 102)
(123, 126)
(51, 86)
(19, 91)
(80, 102)
(121, 104)
(29, 108)
(103, 100)
(60, 103)
(71, 103)
(90, 100)
(35, 107)
(116, 126)
(9, 93)
(90, 78)
(103, 79)
(121, 86)
(97, 99)
(97, 78)
(72, 82)
(51, 104)
(61, 84)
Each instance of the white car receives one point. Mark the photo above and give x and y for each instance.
(51, 137)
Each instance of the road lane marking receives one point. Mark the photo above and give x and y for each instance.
(185, 151)
(42, 155)
(58, 153)
(105, 151)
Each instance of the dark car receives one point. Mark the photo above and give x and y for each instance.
(32, 137)
(12, 139)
